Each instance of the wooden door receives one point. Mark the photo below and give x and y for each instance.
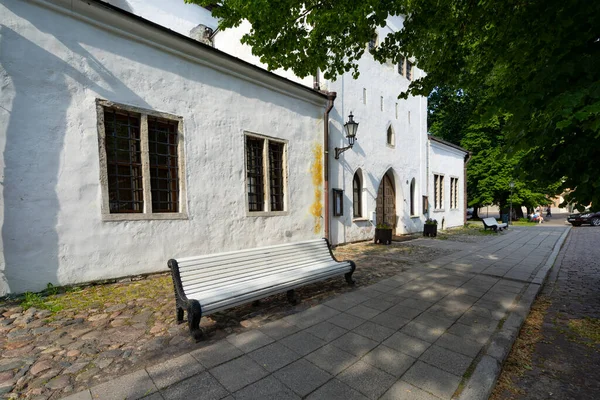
(386, 203)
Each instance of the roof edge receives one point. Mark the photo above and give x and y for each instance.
(446, 143)
(118, 21)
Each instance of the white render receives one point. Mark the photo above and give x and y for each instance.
(56, 59)
(444, 161)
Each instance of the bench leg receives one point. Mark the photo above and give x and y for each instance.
(348, 275)
(194, 312)
(291, 296)
(179, 315)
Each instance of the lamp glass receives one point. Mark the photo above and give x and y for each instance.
(351, 127)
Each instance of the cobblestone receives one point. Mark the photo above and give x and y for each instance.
(564, 364)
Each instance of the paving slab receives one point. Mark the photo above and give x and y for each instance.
(131, 386)
(302, 377)
(336, 390)
(203, 385)
(332, 359)
(267, 388)
(237, 373)
(274, 356)
(175, 370)
(389, 360)
(365, 378)
(433, 380)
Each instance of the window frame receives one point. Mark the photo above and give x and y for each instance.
(438, 196)
(412, 189)
(266, 176)
(146, 214)
(454, 193)
(390, 139)
(338, 202)
(357, 194)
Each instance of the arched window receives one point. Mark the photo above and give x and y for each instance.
(391, 140)
(412, 197)
(357, 195)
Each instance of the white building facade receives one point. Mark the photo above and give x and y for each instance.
(172, 180)
(126, 143)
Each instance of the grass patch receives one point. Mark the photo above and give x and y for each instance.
(587, 328)
(40, 302)
(519, 359)
(524, 222)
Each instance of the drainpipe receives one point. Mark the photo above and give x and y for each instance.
(330, 99)
(467, 159)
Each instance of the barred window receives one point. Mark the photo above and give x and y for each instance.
(401, 66)
(162, 151)
(453, 193)
(276, 171)
(265, 174)
(255, 175)
(438, 191)
(140, 163)
(409, 70)
(357, 195)
(124, 161)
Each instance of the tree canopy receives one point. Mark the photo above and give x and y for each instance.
(454, 115)
(534, 61)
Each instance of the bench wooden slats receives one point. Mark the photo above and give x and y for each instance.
(285, 248)
(210, 283)
(248, 268)
(269, 259)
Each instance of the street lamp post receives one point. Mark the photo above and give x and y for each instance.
(512, 185)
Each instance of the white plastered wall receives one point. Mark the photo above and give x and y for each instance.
(449, 162)
(53, 67)
(371, 153)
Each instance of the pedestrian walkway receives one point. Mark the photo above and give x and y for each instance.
(433, 332)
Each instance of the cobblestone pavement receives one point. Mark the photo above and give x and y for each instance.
(104, 331)
(565, 364)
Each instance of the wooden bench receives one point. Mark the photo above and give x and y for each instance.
(206, 284)
(493, 224)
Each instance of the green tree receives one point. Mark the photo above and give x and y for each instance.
(537, 61)
(455, 116)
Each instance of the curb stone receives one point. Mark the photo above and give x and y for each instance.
(488, 369)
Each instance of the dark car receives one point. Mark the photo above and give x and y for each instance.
(586, 217)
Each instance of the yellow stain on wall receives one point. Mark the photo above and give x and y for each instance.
(316, 170)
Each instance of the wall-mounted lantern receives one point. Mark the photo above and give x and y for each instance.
(350, 127)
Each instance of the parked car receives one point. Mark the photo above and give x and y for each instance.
(470, 213)
(586, 217)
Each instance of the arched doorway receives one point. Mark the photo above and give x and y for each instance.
(386, 202)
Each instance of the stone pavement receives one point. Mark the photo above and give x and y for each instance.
(434, 332)
(565, 361)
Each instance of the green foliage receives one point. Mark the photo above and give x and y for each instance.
(430, 221)
(37, 301)
(491, 168)
(535, 63)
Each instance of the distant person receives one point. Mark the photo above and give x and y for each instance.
(536, 217)
(548, 212)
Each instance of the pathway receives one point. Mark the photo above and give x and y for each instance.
(431, 332)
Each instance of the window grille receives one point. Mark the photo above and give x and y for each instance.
(276, 172)
(255, 174)
(162, 152)
(124, 161)
(357, 196)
